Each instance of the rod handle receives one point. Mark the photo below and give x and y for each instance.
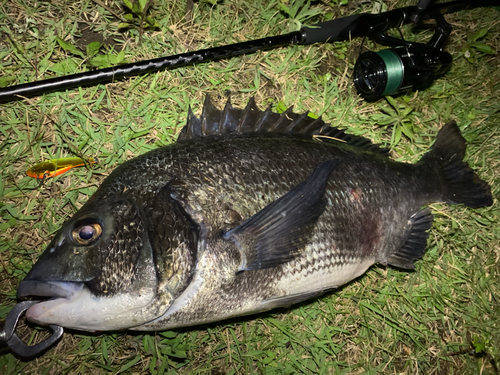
(330, 31)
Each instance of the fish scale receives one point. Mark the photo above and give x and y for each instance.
(250, 210)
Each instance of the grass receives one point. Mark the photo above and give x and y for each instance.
(444, 318)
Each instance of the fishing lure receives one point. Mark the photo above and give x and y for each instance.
(56, 167)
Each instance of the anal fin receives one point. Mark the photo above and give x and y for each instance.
(414, 247)
(292, 299)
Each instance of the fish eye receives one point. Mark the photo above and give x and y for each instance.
(87, 233)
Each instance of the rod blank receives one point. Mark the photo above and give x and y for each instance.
(119, 72)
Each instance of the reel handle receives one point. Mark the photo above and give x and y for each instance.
(334, 30)
(355, 26)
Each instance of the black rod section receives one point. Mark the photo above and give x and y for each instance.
(119, 72)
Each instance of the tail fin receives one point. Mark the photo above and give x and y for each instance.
(462, 184)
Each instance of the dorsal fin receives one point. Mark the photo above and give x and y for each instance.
(217, 123)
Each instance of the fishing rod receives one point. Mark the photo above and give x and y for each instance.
(407, 65)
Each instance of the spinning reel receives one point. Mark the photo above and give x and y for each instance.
(403, 67)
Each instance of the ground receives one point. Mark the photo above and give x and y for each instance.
(443, 318)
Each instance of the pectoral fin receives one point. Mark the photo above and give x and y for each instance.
(277, 233)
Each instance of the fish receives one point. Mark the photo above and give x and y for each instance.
(56, 167)
(249, 210)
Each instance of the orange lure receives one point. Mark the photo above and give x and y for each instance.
(56, 167)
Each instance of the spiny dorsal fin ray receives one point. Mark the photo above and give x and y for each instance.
(217, 123)
(249, 117)
(193, 122)
(228, 119)
(210, 117)
(267, 117)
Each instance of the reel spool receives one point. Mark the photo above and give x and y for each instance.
(404, 67)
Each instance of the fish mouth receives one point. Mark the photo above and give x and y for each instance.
(56, 293)
(51, 289)
(73, 305)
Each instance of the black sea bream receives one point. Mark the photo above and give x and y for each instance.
(248, 211)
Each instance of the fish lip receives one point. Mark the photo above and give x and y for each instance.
(52, 289)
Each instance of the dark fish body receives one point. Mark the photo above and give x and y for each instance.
(248, 211)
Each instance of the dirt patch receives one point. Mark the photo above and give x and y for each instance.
(88, 36)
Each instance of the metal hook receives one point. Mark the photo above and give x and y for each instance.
(8, 336)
